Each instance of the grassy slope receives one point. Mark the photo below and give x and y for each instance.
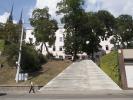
(1, 45)
(109, 64)
(48, 72)
(7, 75)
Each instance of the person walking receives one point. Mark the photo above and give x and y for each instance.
(32, 88)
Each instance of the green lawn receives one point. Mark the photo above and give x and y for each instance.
(109, 64)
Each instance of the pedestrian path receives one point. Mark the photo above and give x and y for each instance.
(81, 76)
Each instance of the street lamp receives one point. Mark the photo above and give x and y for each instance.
(19, 58)
(87, 42)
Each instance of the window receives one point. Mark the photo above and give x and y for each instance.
(60, 48)
(54, 48)
(61, 39)
(107, 47)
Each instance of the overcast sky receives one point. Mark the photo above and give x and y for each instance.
(116, 7)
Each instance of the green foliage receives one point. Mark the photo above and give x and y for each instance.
(44, 26)
(42, 59)
(31, 61)
(73, 15)
(10, 36)
(68, 44)
(125, 30)
(69, 6)
(109, 64)
(82, 27)
(92, 33)
(108, 20)
(11, 32)
(11, 52)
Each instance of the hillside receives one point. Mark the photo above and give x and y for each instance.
(109, 64)
(48, 72)
(1, 45)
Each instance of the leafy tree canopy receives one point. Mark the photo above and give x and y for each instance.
(44, 26)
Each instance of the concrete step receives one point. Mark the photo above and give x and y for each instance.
(84, 75)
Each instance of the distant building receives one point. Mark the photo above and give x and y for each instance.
(106, 45)
(58, 48)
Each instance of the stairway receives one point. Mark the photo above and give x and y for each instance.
(81, 76)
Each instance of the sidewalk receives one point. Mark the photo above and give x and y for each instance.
(20, 89)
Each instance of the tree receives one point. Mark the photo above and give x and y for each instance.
(12, 32)
(125, 30)
(97, 26)
(44, 27)
(108, 20)
(73, 14)
(11, 36)
(93, 30)
(11, 53)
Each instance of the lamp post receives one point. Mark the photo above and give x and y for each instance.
(19, 58)
(87, 42)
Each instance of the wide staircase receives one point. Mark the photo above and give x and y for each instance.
(81, 76)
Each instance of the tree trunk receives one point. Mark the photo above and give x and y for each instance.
(47, 49)
(127, 45)
(93, 56)
(41, 48)
(75, 55)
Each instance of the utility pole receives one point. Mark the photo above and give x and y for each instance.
(19, 58)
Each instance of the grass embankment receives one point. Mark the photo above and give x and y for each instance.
(109, 64)
(1, 45)
(48, 72)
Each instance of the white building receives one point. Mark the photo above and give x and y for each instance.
(29, 35)
(58, 48)
(106, 45)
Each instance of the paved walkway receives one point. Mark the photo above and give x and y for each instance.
(81, 76)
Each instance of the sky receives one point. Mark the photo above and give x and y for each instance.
(116, 7)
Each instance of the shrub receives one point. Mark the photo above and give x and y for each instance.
(31, 61)
(42, 58)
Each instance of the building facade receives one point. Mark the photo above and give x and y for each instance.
(58, 50)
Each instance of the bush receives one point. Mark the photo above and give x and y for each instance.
(42, 58)
(31, 61)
